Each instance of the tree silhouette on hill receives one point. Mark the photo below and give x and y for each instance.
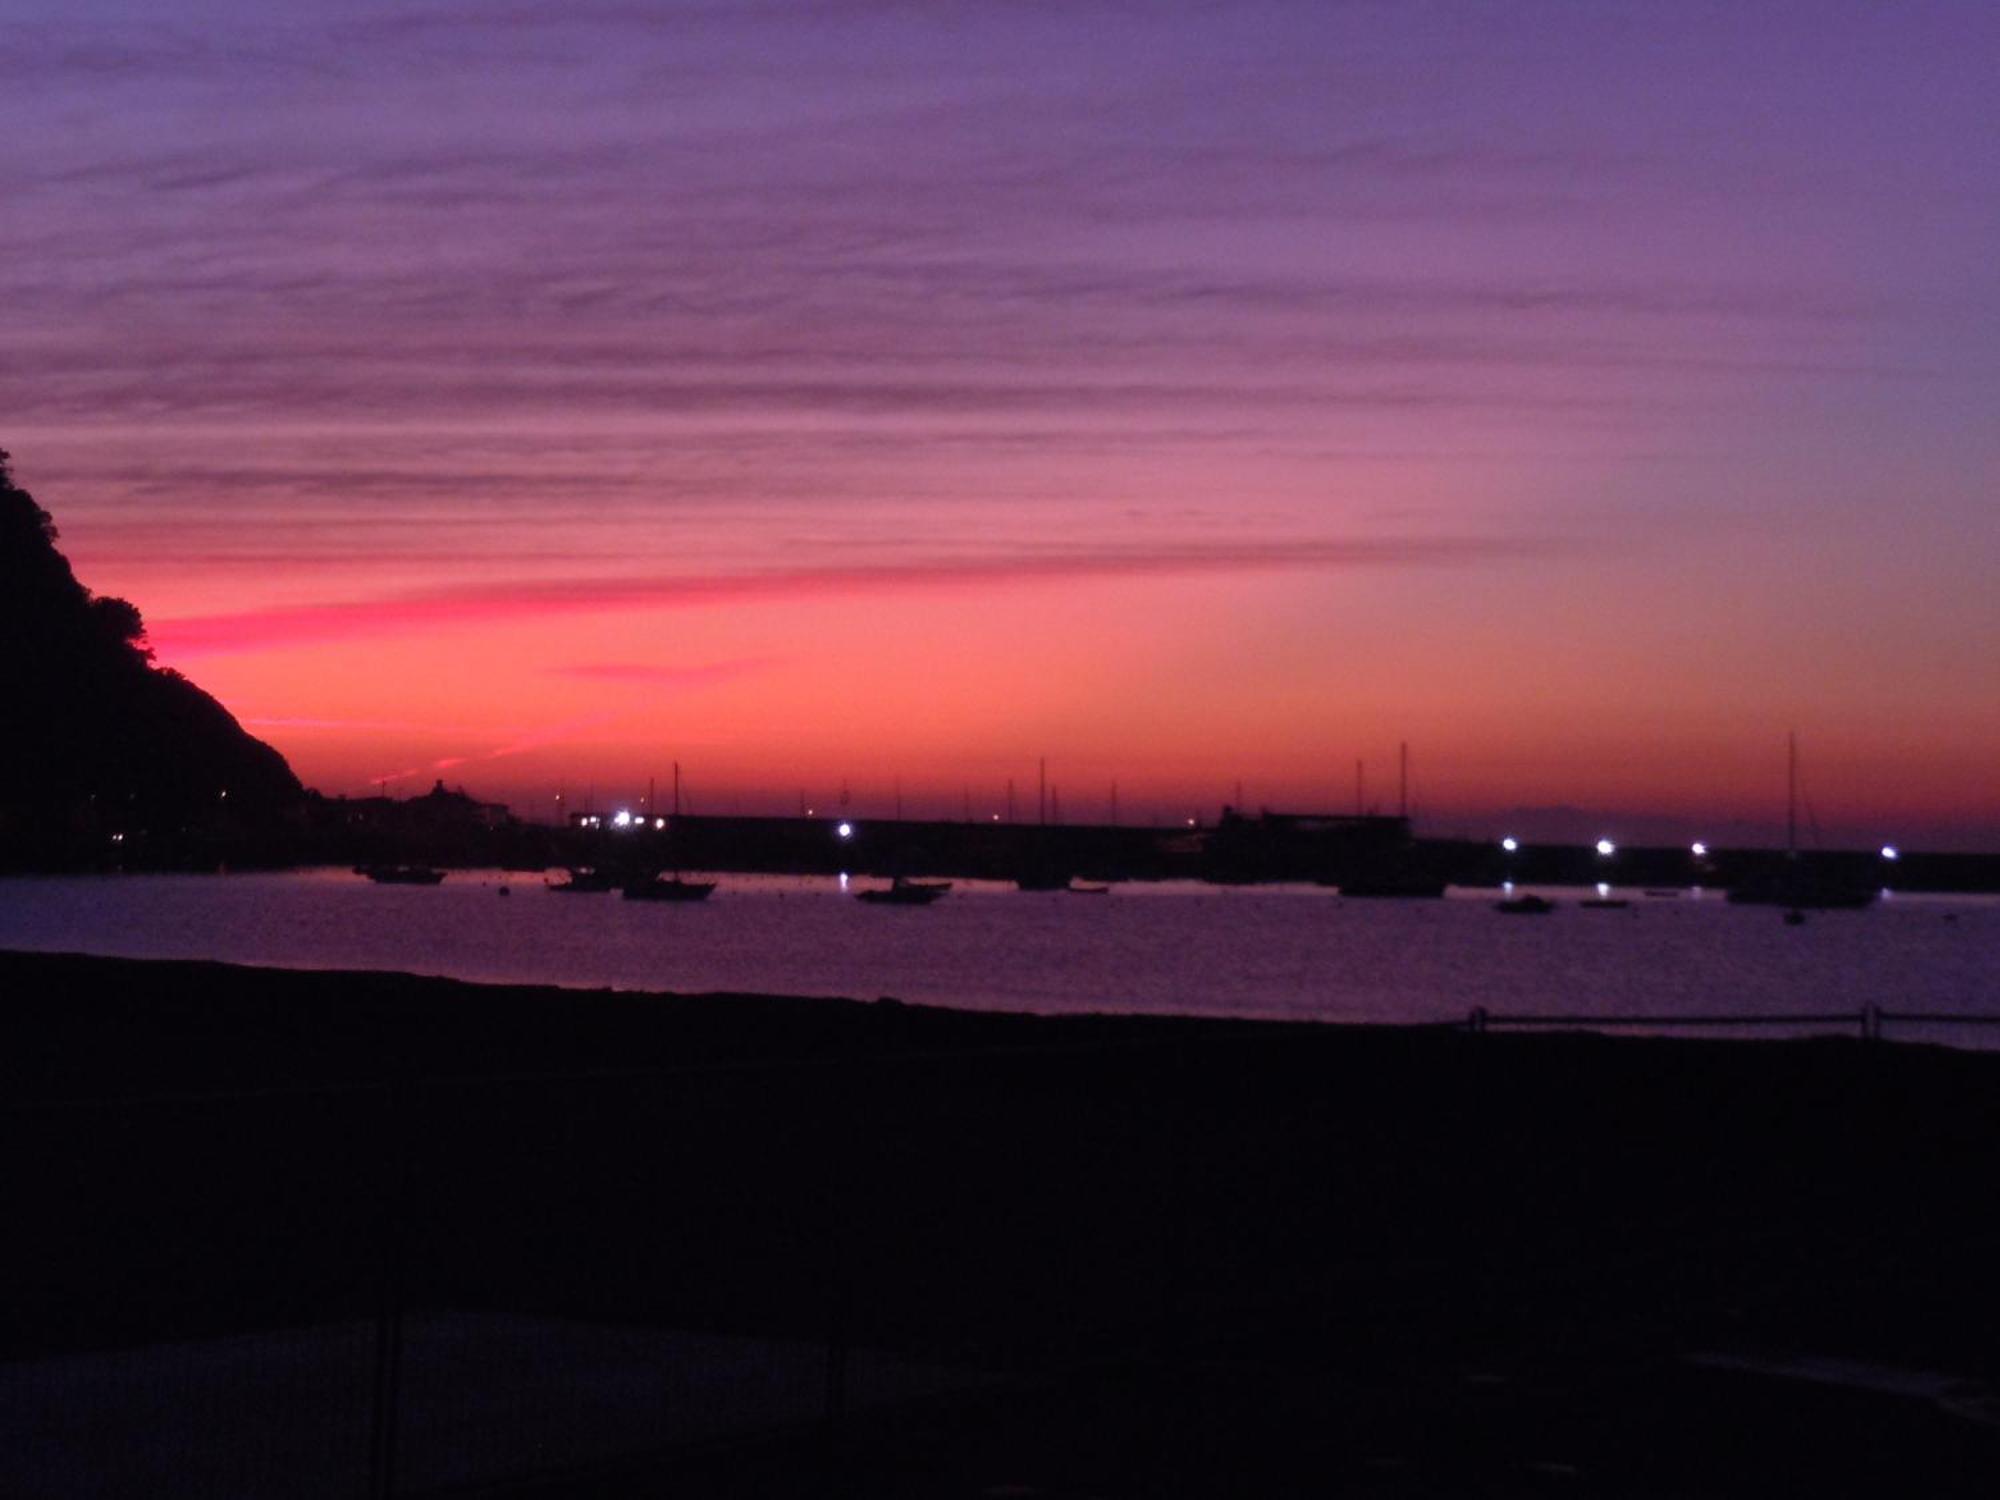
(97, 735)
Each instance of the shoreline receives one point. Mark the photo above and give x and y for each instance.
(274, 1008)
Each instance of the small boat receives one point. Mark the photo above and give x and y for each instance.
(900, 892)
(1525, 906)
(1604, 903)
(669, 888)
(583, 883)
(401, 874)
(1062, 885)
(1042, 880)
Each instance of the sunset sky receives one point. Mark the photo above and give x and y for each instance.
(532, 394)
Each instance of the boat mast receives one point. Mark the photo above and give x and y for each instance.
(1403, 780)
(1792, 795)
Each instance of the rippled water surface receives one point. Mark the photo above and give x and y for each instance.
(1270, 951)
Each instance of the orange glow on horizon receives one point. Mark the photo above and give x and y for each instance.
(1143, 681)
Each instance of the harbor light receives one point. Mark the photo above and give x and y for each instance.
(1891, 853)
(845, 830)
(659, 822)
(1606, 848)
(1698, 849)
(1510, 843)
(621, 819)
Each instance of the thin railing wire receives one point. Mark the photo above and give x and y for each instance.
(1870, 1022)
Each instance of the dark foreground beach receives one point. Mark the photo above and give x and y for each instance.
(276, 1233)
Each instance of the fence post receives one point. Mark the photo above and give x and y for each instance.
(389, 1295)
(837, 1147)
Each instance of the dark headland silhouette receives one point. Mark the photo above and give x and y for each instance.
(100, 739)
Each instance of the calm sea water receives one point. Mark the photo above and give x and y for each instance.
(1286, 952)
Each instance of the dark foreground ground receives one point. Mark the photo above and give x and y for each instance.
(335, 1234)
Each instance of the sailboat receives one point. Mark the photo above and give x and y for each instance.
(671, 887)
(1042, 870)
(1402, 876)
(1796, 886)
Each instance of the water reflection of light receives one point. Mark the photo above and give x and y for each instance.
(1507, 887)
(1603, 890)
(843, 880)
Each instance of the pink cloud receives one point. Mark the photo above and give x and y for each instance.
(538, 739)
(363, 726)
(667, 677)
(438, 609)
